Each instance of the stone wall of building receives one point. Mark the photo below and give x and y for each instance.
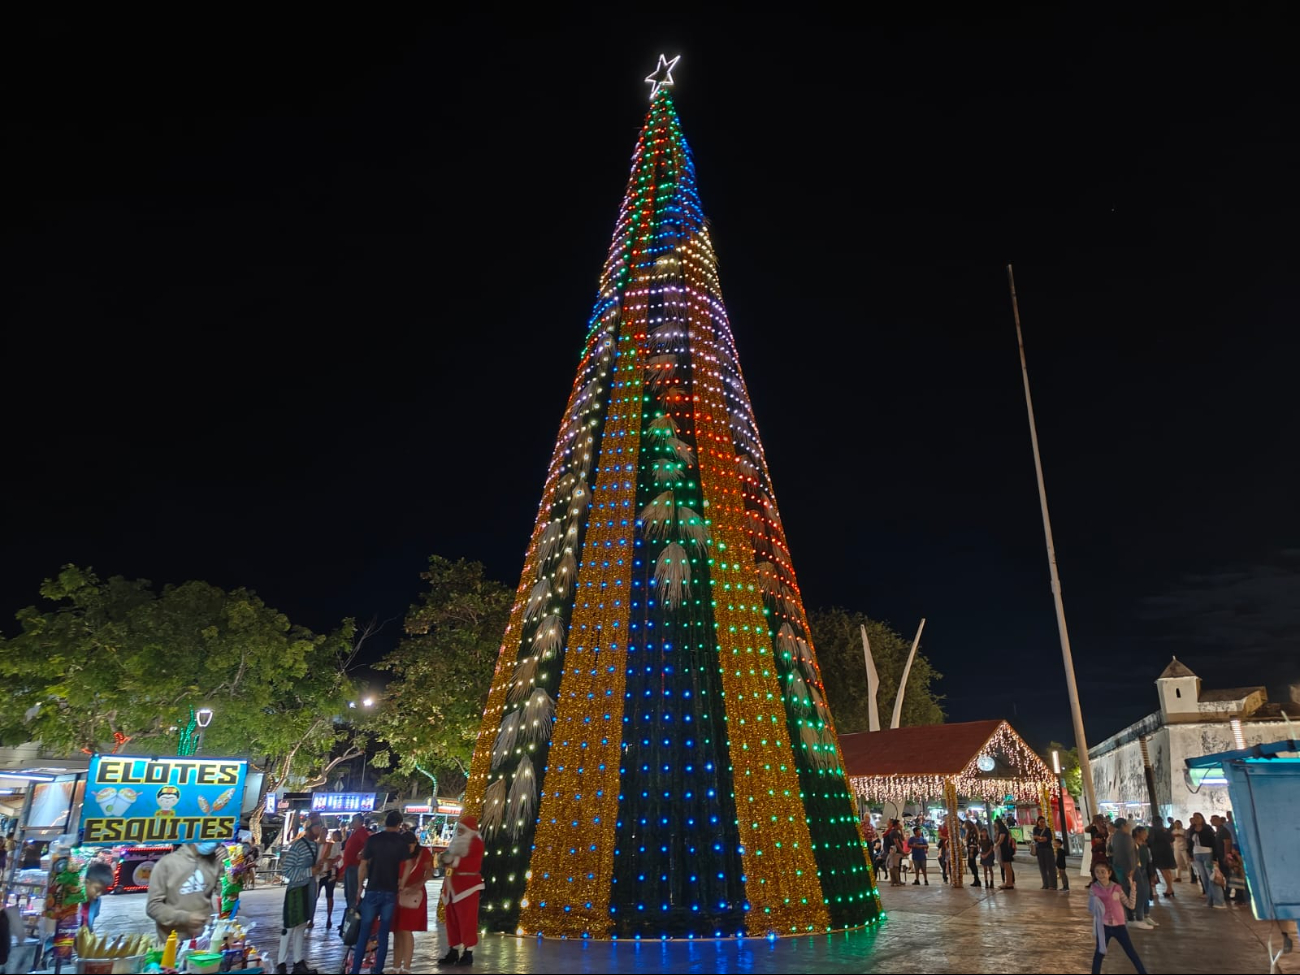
(1121, 783)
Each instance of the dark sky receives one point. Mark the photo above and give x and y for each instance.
(292, 304)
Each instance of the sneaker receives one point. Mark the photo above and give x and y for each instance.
(916, 883)
(1152, 921)
(1219, 907)
(450, 958)
(282, 969)
(300, 968)
(466, 960)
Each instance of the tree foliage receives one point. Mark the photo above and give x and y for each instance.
(1069, 766)
(430, 712)
(117, 665)
(838, 640)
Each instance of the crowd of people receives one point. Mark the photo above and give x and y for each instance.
(1130, 862)
(384, 873)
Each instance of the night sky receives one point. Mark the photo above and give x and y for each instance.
(292, 304)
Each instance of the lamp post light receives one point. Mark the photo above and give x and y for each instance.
(192, 734)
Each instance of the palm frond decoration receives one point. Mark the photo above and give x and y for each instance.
(692, 528)
(590, 392)
(539, 715)
(811, 740)
(663, 426)
(674, 394)
(537, 599)
(788, 641)
(683, 450)
(522, 680)
(494, 806)
(769, 506)
(799, 693)
(580, 501)
(661, 369)
(667, 471)
(657, 517)
(766, 576)
(666, 335)
(566, 574)
(521, 804)
(564, 486)
(673, 575)
(745, 466)
(817, 744)
(816, 696)
(507, 735)
(549, 638)
(550, 541)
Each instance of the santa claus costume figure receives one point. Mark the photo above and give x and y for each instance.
(460, 891)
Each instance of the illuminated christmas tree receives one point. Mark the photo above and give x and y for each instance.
(656, 757)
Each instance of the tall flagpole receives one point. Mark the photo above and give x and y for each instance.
(1080, 739)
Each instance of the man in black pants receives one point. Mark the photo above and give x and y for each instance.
(973, 850)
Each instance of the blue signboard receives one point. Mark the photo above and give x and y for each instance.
(342, 802)
(161, 800)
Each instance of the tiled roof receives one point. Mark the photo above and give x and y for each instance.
(938, 749)
(1176, 669)
(1228, 694)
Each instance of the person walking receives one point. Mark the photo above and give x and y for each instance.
(973, 850)
(893, 847)
(331, 858)
(945, 848)
(1108, 902)
(352, 847)
(1043, 837)
(987, 855)
(1123, 856)
(1062, 867)
(1203, 846)
(412, 902)
(1142, 881)
(301, 869)
(1181, 857)
(919, 847)
(379, 873)
(1161, 842)
(1006, 845)
(1098, 833)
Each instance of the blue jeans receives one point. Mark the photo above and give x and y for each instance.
(376, 904)
(1203, 862)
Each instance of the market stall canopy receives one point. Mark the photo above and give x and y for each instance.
(985, 759)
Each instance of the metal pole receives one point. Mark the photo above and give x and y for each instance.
(1080, 739)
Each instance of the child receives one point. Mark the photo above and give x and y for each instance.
(920, 848)
(1142, 881)
(986, 856)
(1061, 869)
(1106, 902)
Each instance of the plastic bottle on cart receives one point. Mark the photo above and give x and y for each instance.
(169, 951)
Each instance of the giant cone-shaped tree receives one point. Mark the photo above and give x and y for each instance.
(656, 756)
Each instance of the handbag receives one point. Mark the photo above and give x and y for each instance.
(410, 897)
(350, 926)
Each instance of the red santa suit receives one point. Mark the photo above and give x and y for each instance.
(460, 890)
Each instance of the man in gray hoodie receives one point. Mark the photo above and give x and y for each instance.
(1124, 857)
(182, 888)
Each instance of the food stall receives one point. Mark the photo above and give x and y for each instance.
(435, 825)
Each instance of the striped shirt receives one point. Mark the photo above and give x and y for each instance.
(297, 863)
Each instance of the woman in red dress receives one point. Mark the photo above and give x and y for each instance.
(412, 903)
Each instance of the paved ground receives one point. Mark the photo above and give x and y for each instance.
(934, 929)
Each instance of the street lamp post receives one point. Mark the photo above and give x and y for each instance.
(192, 735)
(1060, 800)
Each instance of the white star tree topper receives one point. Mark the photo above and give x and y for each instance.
(662, 76)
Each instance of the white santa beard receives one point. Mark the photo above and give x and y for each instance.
(459, 845)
